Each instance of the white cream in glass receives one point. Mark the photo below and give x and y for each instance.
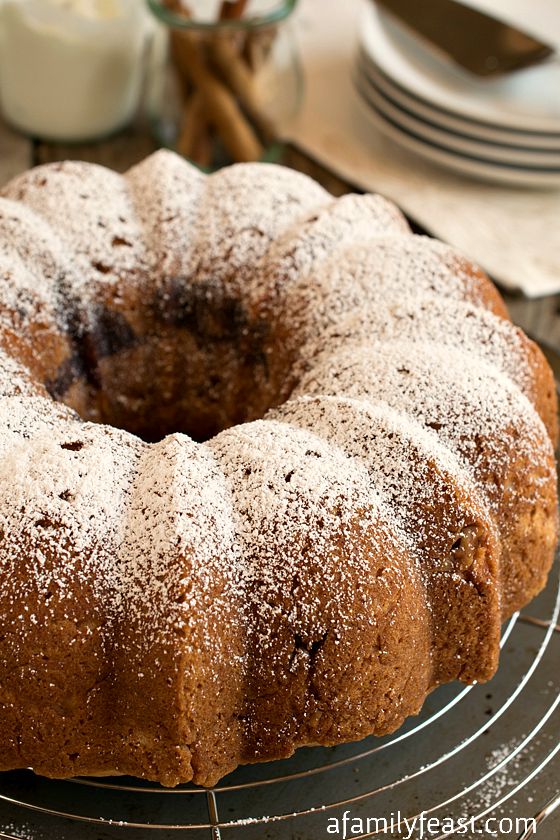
(72, 70)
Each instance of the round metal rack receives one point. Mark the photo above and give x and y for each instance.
(474, 751)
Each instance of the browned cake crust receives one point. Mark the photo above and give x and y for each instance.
(271, 469)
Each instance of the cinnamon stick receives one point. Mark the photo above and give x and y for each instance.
(193, 125)
(237, 76)
(178, 7)
(237, 134)
(232, 9)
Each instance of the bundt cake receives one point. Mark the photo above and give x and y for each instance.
(271, 469)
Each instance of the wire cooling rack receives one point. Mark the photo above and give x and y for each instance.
(474, 751)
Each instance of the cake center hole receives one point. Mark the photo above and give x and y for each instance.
(189, 366)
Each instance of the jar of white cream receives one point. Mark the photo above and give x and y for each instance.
(72, 70)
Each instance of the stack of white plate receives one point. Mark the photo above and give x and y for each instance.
(504, 130)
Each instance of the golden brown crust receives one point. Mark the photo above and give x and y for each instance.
(172, 610)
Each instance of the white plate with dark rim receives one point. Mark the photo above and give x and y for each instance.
(527, 101)
(490, 152)
(469, 129)
(474, 167)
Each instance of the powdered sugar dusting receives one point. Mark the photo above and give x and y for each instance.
(178, 534)
(463, 397)
(280, 531)
(420, 318)
(166, 194)
(297, 496)
(398, 452)
(358, 268)
(340, 225)
(33, 263)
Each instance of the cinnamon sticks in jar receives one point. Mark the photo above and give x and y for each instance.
(222, 117)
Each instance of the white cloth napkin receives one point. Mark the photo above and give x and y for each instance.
(513, 233)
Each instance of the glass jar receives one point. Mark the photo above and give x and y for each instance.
(72, 70)
(228, 81)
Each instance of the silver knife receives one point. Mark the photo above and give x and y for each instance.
(478, 42)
